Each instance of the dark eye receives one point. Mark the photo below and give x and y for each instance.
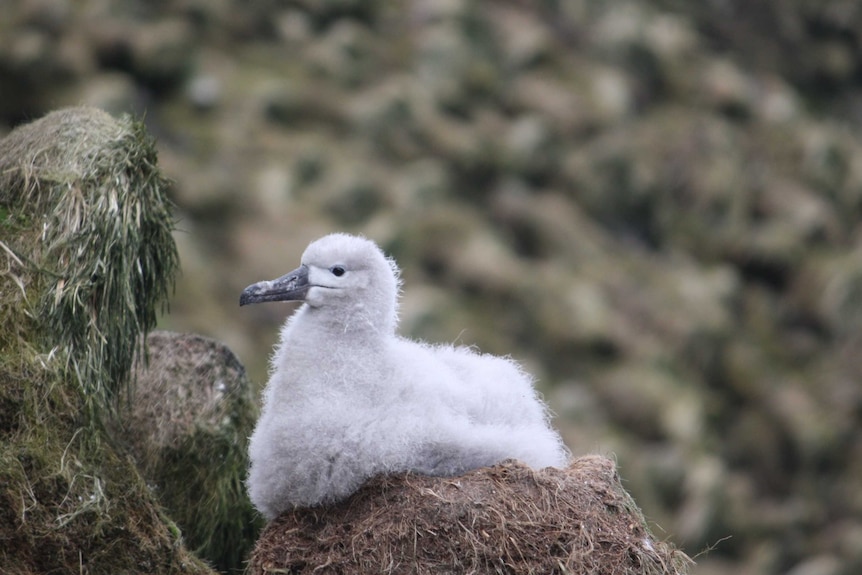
(337, 271)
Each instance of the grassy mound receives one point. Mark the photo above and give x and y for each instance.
(503, 519)
(86, 257)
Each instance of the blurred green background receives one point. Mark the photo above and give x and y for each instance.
(653, 205)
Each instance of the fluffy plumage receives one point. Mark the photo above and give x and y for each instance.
(348, 398)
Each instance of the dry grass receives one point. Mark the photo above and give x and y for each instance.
(504, 519)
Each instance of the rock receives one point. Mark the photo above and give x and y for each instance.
(204, 91)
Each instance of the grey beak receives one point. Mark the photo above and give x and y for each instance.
(289, 287)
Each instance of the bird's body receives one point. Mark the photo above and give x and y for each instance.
(348, 399)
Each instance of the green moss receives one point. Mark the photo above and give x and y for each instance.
(192, 449)
(69, 502)
(202, 488)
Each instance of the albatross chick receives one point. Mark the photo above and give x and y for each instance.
(348, 398)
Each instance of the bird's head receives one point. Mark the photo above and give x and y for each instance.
(347, 277)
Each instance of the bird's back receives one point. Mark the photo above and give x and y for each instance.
(484, 407)
(497, 390)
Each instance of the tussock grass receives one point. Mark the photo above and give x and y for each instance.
(87, 240)
(86, 259)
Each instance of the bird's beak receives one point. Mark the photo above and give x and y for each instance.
(289, 287)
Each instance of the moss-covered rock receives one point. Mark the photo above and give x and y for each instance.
(186, 422)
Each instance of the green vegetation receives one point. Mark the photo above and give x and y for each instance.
(87, 259)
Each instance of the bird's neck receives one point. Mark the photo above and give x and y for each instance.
(357, 323)
(354, 328)
(329, 349)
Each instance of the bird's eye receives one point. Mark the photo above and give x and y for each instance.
(337, 271)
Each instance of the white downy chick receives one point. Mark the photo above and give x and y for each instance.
(348, 398)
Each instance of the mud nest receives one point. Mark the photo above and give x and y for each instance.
(504, 519)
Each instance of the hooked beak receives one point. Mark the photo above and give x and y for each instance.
(289, 287)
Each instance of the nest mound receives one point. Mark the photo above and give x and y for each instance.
(503, 519)
(184, 384)
(190, 411)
